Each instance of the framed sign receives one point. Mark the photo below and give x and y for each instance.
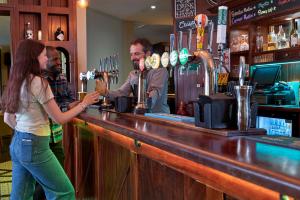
(185, 8)
(189, 23)
(262, 8)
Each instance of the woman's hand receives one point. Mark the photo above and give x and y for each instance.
(91, 98)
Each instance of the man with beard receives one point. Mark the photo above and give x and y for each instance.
(157, 79)
(64, 98)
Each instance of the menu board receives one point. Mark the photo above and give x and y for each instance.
(185, 8)
(262, 8)
(189, 23)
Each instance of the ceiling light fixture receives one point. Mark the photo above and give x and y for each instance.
(288, 19)
(82, 3)
(153, 7)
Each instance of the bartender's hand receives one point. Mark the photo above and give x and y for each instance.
(101, 87)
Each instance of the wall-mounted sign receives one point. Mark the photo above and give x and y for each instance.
(185, 8)
(189, 23)
(262, 8)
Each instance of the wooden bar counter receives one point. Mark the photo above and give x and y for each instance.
(122, 156)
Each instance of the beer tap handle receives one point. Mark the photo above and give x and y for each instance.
(210, 36)
(179, 44)
(100, 65)
(242, 70)
(117, 68)
(190, 35)
(172, 42)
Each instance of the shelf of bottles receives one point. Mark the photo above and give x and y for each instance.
(279, 38)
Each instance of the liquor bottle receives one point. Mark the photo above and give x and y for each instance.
(294, 35)
(59, 34)
(272, 39)
(282, 41)
(259, 40)
(28, 31)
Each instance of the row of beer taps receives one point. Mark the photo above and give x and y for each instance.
(108, 71)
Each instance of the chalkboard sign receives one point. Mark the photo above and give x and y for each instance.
(262, 8)
(185, 8)
(189, 23)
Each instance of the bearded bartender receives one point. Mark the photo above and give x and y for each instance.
(157, 79)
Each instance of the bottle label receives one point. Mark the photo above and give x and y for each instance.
(60, 37)
(294, 41)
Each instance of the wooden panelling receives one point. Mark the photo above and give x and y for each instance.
(85, 164)
(30, 2)
(35, 24)
(159, 182)
(55, 21)
(70, 149)
(115, 171)
(46, 16)
(57, 3)
(193, 189)
(231, 165)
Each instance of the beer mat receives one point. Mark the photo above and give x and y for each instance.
(290, 142)
(171, 117)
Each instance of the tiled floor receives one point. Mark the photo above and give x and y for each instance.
(5, 180)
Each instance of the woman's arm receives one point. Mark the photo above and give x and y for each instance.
(62, 117)
(10, 120)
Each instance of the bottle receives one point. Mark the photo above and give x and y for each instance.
(259, 40)
(281, 39)
(272, 39)
(28, 31)
(294, 35)
(59, 34)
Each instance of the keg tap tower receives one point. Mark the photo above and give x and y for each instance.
(108, 71)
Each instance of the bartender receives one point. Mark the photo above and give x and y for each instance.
(157, 79)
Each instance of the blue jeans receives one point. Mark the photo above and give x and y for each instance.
(32, 160)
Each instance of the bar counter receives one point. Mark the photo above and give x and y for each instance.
(167, 160)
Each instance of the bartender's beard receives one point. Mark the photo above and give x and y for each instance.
(135, 64)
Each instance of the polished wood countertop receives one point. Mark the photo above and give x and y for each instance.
(269, 166)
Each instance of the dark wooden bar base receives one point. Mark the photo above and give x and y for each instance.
(104, 163)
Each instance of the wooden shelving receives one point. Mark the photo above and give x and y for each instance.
(46, 16)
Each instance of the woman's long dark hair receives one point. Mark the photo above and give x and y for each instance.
(25, 65)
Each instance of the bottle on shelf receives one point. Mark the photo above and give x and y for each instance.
(59, 34)
(272, 39)
(28, 31)
(282, 41)
(259, 40)
(294, 35)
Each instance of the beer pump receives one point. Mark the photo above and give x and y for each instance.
(141, 106)
(108, 71)
(83, 78)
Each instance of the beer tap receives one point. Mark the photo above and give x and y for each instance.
(83, 92)
(242, 71)
(204, 57)
(141, 106)
(116, 59)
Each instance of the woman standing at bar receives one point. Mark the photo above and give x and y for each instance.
(26, 103)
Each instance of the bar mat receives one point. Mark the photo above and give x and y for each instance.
(172, 117)
(290, 142)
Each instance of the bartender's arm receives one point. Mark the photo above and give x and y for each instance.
(157, 82)
(10, 119)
